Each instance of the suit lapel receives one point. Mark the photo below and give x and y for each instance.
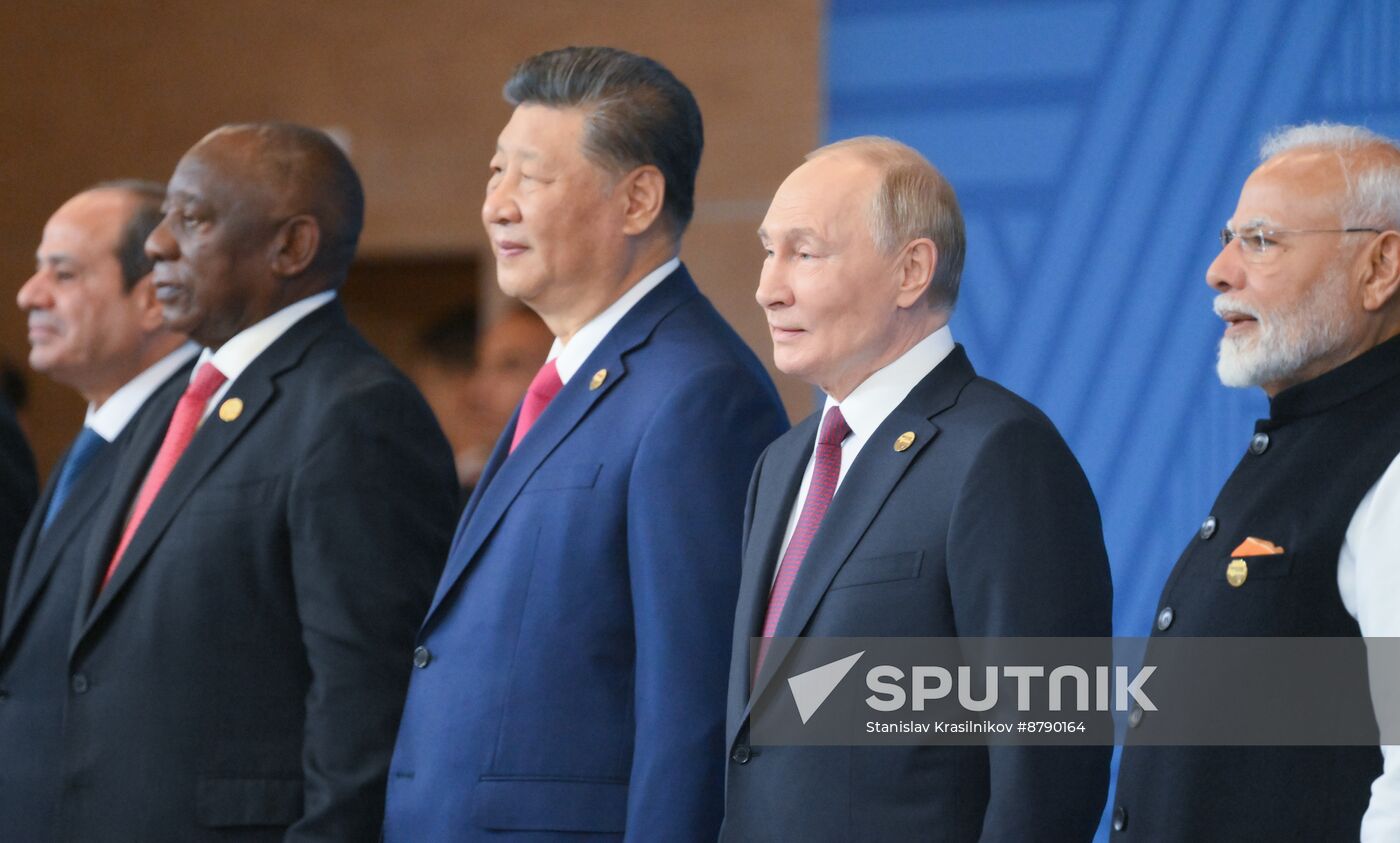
(37, 553)
(505, 477)
(868, 483)
(256, 387)
(780, 476)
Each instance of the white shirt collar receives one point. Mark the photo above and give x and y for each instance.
(870, 404)
(109, 420)
(244, 347)
(568, 358)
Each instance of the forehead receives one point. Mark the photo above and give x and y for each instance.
(830, 195)
(89, 222)
(548, 134)
(220, 168)
(1300, 188)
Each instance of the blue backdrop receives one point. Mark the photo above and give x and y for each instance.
(1097, 147)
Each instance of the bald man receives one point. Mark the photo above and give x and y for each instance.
(256, 578)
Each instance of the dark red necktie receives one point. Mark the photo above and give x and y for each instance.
(183, 424)
(826, 470)
(542, 390)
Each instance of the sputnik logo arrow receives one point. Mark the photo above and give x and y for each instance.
(810, 689)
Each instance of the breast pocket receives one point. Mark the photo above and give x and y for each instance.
(869, 570)
(223, 498)
(553, 478)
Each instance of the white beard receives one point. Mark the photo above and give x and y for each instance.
(1285, 342)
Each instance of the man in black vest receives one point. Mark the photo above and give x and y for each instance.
(95, 326)
(1309, 283)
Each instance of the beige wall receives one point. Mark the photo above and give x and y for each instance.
(97, 90)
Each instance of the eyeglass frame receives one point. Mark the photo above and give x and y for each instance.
(1228, 235)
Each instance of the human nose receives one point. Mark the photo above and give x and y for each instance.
(773, 288)
(35, 294)
(500, 206)
(1226, 272)
(161, 245)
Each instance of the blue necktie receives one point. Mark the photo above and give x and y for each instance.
(85, 447)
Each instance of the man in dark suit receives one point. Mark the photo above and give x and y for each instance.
(1302, 540)
(95, 326)
(250, 594)
(922, 501)
(571, 671)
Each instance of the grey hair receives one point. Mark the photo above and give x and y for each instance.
(638, 113)
(914, 200)
(1372, 180)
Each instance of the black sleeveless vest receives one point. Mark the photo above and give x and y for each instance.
(1325, 444)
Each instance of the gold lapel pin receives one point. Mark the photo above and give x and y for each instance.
(1237, 572)
(598, 378)
(904, 441)
(231, 409)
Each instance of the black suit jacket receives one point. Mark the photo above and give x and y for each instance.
(38, 623)
(241, 676)
(985, 526)
(19, 485)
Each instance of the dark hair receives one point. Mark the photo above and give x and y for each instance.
(320, 171)
(131, 244)
(639, 113)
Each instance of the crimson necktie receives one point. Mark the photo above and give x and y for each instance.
(542, 390)
(826, 470)
(183, 424)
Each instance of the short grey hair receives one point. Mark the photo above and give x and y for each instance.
(914, 200)
(1370, 165)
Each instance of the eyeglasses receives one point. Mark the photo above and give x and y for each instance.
(1262, 242)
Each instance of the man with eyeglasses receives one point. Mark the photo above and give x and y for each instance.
(1302, 540)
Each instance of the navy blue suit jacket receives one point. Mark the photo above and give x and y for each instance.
(984, 526)
(574, 660)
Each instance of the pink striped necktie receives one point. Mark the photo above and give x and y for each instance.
(183, 423)
(542, 390)
(825, 472)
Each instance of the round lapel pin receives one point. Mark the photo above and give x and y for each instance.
(904, 441)
(1237, 572)
(231, 409)
(598, 378)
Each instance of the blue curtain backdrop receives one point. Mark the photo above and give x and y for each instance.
(1097, 147)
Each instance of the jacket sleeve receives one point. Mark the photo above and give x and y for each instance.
(370, 516)
(1026, 558)
(684, 513)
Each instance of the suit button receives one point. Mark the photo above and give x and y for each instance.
(80, 683)
(1208, 527)
(1165, 618)
(1120, 818)
(421, 657)
(1135, 718)
(1259, 444)
(741, 755)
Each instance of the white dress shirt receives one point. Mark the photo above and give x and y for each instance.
(867, 407)
(236, 355)
(1368, 577)
(568, 357)
(110, 419)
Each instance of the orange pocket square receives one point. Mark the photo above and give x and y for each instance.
(1256, 547)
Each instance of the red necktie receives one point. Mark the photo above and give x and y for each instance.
(542, 390)
(183, 424)
(825, 472)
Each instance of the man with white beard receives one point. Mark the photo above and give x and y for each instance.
(1303, 538)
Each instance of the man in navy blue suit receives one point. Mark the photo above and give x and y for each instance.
(571, 671)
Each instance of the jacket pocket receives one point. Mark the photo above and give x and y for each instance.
(230, 802)
(548, 478)
(544, 804)
(875, 569)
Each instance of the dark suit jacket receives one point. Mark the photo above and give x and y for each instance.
(19, 485)
(38, 623)
(241, 675)
(574, 661)
(985, 526)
